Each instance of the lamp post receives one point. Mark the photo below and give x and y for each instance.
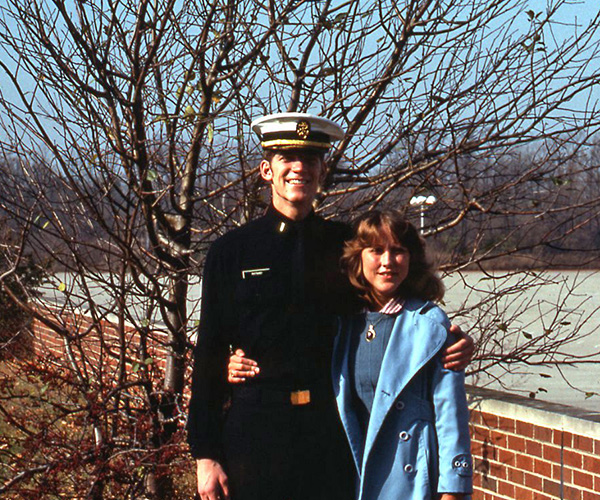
(422, 201)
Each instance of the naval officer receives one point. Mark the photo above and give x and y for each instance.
(271, 288)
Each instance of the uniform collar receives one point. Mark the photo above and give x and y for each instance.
(281, 222)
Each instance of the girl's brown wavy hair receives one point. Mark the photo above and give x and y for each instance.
(375, 228)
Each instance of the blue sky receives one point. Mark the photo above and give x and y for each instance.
(578, 12)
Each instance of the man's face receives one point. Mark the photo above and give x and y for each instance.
(295, 176)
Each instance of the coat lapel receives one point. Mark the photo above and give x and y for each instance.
(343, 392)
(414, 341)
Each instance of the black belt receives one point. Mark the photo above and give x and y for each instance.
(296, 397)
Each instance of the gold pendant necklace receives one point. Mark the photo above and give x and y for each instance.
(371, 332)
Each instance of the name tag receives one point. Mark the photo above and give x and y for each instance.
(251, 273)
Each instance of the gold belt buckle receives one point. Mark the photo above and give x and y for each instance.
(300, 397)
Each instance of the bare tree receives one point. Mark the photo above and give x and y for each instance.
(126, 150)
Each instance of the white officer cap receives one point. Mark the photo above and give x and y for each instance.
(296, 131)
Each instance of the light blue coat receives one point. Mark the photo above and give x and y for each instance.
(417, 442)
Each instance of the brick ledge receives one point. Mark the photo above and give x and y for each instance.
(541, 413)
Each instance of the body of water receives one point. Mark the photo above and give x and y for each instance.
(557, 314)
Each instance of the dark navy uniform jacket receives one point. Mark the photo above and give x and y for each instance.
(272, 288)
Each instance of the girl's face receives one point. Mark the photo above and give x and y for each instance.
(385, 267)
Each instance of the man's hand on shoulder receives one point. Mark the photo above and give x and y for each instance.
(458, 356)
(212, 480)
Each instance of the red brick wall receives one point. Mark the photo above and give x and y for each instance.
(97, 343)
(527, 450)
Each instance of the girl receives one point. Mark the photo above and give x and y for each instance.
(405, 416)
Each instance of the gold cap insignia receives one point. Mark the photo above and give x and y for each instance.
(303, 129)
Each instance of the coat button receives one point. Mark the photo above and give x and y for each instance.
(404, 436)
(408, 468)
(399, 405)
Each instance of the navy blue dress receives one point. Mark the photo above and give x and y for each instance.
(366, 356)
